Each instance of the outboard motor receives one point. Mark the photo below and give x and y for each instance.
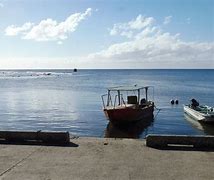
(194, 103)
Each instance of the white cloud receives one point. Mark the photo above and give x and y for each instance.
(49, 29)
(154, 48)
(167, 20)
(128, 34)
(14, 31)
(127, 29)
(147, 47)
(59, 42)
(146, 32)
(141, 22)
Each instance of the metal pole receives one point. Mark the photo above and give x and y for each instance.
(138, 96)
(108, 99)
(118, 97)
(146, 88)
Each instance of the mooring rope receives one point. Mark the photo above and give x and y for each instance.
(158, 110)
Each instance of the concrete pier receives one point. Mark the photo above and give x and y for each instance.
(58, 138)
(100, 158)
(162, 141)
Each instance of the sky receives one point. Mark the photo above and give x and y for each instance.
(113, 34)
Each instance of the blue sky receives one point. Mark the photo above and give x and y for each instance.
(106, 34)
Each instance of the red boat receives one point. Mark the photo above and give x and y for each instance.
(133, 108)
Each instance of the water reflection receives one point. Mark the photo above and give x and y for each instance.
(133, 130)
(208, 129)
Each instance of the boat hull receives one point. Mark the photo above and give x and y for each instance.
(128, 114)
(201, 117)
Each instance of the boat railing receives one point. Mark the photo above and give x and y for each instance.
(122, 100)
(115, 99)
(103, 100)
(110, 103)
(109, 100)
(205, 109)
(104, 106)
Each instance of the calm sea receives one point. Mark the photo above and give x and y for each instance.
(61, 100)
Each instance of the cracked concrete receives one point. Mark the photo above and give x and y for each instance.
(97, 158)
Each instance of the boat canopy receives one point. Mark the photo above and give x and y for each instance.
(119, 92)
(128, 88)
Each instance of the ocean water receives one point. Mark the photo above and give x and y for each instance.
(61, 100)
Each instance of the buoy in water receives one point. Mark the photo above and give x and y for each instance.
(75, 70)
(176, 101)
(172, 101)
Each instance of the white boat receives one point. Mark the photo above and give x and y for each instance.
(201, 113)
(207, 128)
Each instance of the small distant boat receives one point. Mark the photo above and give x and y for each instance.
(127, 105)
(47, 74)
(75, 70)
(201, 113)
